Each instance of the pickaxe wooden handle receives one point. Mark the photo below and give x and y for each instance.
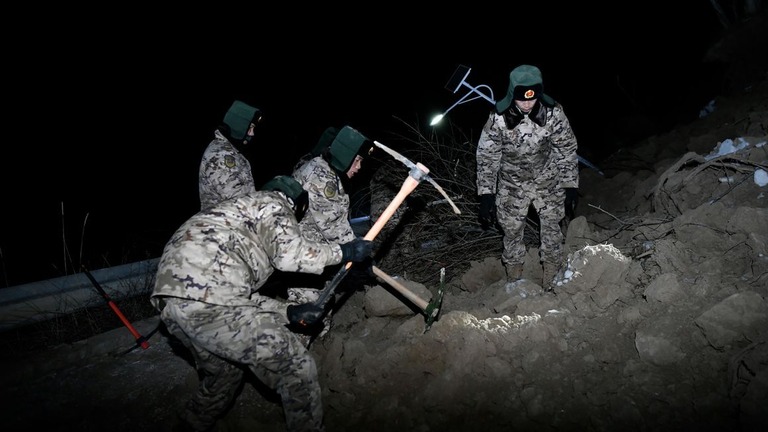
(430, 309)
(417, 173)
(402, 289)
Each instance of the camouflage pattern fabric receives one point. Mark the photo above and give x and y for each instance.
(224, 254)
(328, 215)
(222, 338)
(524, 165)
(224, 173)
(208, 278)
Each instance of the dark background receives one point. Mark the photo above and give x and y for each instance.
(106, 122)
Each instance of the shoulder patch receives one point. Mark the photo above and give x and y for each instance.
(330, 189)
(229, 161)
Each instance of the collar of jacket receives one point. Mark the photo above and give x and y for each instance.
(513, 116)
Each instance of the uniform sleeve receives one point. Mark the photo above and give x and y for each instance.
(288, 250)
(565, 145)
(488, 156)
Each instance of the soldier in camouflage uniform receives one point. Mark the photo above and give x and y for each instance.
(526, 155)
(224, 171)
(336, 158)
(207, 291)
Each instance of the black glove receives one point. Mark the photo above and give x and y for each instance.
(487, 210)
(571, 201)
(356, 251)
(305, 317)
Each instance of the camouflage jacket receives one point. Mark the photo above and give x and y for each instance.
(527, 156)
(223, 255)
(328, 214)
(224, 173)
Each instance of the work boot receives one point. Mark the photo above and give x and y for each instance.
(514, 272)
(548, 277)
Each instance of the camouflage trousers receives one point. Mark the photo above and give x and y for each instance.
(511, 210)
(226, 340)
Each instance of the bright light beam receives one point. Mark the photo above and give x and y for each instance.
(458, 73)
(436, 119)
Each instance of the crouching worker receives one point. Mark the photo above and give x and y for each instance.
(207, 291)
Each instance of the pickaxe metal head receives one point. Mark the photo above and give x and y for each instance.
(410, 164)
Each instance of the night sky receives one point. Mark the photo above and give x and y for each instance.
(111, 119)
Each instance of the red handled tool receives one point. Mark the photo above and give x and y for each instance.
(140, 340)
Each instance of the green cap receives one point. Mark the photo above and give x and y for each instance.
(285, 184)
(345, 147)
(525, 76)
(326, 139)
(239, 119)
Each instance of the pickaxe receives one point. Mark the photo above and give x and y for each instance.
(430, 309)
(307, 315)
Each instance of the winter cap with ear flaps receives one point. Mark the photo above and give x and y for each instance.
(345, 147)
(239, 118)
(525, 83)
(285, 184)
(325, 141)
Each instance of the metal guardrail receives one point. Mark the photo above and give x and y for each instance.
(38, 301)
(25, 304)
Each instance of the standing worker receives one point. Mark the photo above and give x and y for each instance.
(526, 155)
